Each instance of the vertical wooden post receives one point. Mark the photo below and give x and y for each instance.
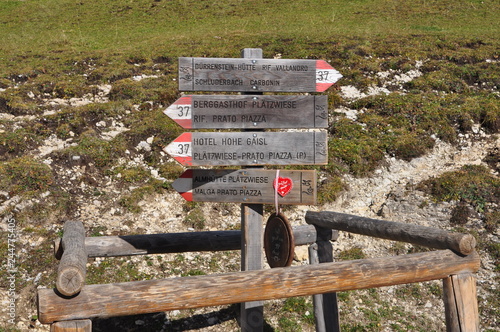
(83, 325)
(252, 313)
(72, 267)
(326, 312)
(460, 303)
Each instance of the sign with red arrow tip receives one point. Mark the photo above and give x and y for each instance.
(256, 186)
(250, 148)
(258, 75)
(249, 111)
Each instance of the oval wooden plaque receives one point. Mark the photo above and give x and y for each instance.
(279, 243)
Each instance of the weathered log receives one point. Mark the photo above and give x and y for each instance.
(252, 221)
(397, 231)
(72, 267)
(129, 245)
(141, 297)
(326, 311)
(460, 303)
(84, 325)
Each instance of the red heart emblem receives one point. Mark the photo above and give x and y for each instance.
(283, 185)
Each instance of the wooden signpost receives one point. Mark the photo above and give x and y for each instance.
(250, 148)
(246, 75)
(251, 75)
(249, 111)
(247, 186)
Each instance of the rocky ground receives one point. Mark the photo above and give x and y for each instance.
(388, 194)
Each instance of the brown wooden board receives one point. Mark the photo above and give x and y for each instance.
(150, 296)
(247, 186)
(244, 75)
(250, 148)
(249, 111)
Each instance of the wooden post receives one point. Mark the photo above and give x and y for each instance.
(397, 231)
(148, 296)
(84, 325)
(252, 316)
(326, 310)
(72, 267)
(460, 303)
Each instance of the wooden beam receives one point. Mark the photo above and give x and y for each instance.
(84, 325)
(326, 311)
(149, 296)
(460, 303)
(252, 239)
(130, 245)
(397, 231)
(72, 267)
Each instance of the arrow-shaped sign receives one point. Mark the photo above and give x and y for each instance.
(249, 111)
(250, 148)
(256, 186)
(270, 75)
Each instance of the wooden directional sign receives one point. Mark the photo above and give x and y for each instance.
(250, 148)
(256, 186)
(249, 111)
(269, 75)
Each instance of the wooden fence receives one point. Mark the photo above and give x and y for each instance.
(71, 305)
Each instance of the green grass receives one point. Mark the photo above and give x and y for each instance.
(49, 31)
(25, 176)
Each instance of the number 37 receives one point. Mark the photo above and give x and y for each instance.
(183, 149)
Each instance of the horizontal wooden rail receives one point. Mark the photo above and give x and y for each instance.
(110, 246)
(425, 236)
(151, 296)
(72, 267)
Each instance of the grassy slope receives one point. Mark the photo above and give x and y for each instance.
(50, 44)
(197, 27)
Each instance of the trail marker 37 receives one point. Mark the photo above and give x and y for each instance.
(247, 75)
(250, 148)
(252, 75)
(250, 111)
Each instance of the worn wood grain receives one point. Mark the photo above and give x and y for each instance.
(199, 291)
(252, 220)
(250, 111)
(460, 300)
(72, 267)
(326, 311)
(84, 325)
(397, 231)
(249, 185)
(250, 148)
(143, 244)
(252, 74)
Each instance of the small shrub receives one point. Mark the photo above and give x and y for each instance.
(132, 200)
(25, 175)
(103, 153)
(14, 143)
(460, 214)
(473, 184)
(351, 254)
(330, 189)
(195, 219)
